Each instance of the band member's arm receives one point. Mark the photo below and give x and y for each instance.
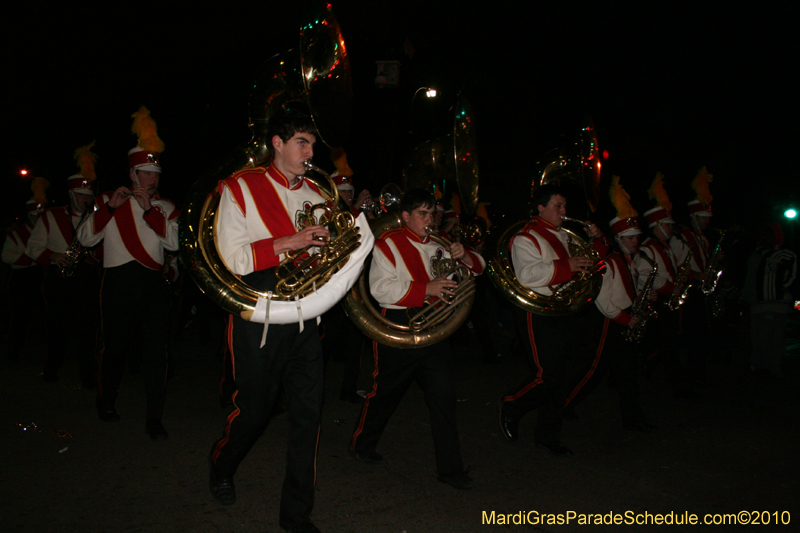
(388, 285)
(470, 258)
(532, 268)
(14, 251)
(599, 240)
(663, 284)
(612, 296)
(163, 220)
(37, 243)
(92, 231)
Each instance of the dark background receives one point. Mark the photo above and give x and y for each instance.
(669, 90)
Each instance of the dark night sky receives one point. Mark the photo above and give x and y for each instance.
(668, 90)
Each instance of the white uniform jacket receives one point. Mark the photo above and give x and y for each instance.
(402, 267)
(52, 234)
(618, 292)
(664, 256)
(130, 234)
(257, 206)
(14, 246)
(540, 255)
(698, 243)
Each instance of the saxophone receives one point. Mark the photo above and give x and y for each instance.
(75, 251)
(713, 269)
(641, 308)
(682, 281)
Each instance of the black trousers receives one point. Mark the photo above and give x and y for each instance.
(614, 357)
(72, 317)
(26, 305)
(553, 344)
(665, 340)
(135, 309)
(290, 361)
(395, 371)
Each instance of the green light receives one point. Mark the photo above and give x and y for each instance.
(790, 213)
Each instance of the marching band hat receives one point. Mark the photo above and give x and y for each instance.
(139, 159)
(700, 209)
(449, 214)
(625, 227)
(343, 183)
(32, 206)
(658, 215)
(77, 183)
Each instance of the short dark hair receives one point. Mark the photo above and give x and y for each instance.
(417, 198)
(543, 194)
(286, 122)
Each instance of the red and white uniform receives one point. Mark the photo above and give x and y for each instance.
(14, 246)
(257, 206)
(698, 243)
(129, 234)
(402, 267)
(52, 234)
(618, 291)
(540, 255)
(667, 262)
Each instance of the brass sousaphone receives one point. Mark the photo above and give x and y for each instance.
(427, 164)
(317, 76)
(575, 166)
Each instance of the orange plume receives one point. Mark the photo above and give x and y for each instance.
(146, 130)
(86, 160)
(620, 199)
(658, 193)
(700, 186)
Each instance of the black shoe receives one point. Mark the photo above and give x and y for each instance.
(643, 427)
(222, 488)
(556, 448)
(307, 527)
(156, 430)
(351, 397)
(509, 425)
(568, 413)
(370, 458)
(106, 411)
(461, 481)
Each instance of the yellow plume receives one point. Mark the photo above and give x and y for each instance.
(620, 199)
(38, 187)
(86, 159)
(700, 186)
(146, 130)
(339, 158)
(658, 193)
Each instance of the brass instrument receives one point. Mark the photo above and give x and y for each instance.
(298, 275)
(75, 252)
(575, 164)
(438, 320)
(317, 76)
(713, 270)
(641, 308)
(682, 281)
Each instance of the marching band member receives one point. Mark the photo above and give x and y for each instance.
(401, 278)
(263, 214)
(614, 354)
(665, 337)
(137, 227)
(540, 255)
(695, 318)
(25, 281)
(343, 177)
(72, 281)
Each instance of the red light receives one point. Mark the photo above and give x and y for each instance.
(23, 172)
(605, 154)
